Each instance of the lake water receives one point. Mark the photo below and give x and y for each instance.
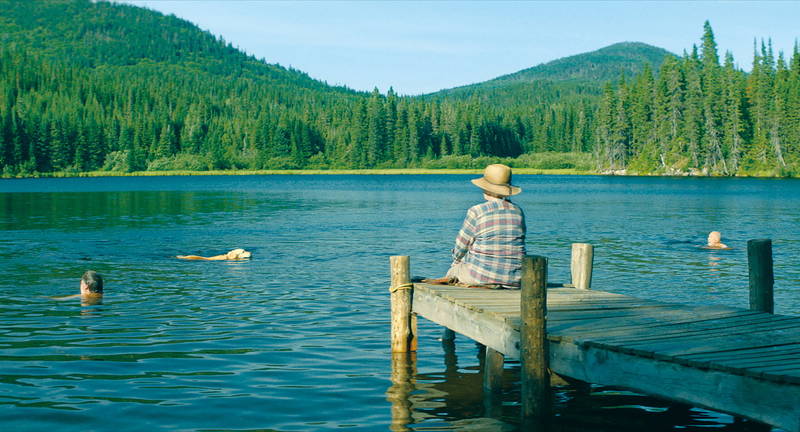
(296, 339)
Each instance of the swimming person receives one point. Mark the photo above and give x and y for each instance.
(490, 246)
(91, 288)
(235, 254)
(714, 241)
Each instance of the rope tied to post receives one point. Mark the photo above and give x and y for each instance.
(405, 286)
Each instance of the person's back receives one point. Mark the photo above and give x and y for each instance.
(491, 243)
(497, 232)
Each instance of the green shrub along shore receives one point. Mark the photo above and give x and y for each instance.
(547, 163)
(539, 163)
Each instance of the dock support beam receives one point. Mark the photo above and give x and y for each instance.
(535, 391)
(493, 372)
(759, 262)
(581, 265)
(492, 383)
(404, 322)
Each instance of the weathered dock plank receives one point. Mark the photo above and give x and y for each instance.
(487, 329)
(746, 363)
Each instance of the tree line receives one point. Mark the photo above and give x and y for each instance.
(704, 116)
(56, 116)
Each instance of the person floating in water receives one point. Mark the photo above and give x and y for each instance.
(236, 254)
(491, 243)
(91, 289)
(715, 241)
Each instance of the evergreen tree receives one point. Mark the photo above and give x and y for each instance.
(376, 129)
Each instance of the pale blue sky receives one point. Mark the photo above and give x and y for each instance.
(420, 47)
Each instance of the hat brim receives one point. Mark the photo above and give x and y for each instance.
(502, 190)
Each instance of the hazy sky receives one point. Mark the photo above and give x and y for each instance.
(419, 47)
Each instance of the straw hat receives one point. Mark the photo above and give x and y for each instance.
(497, 180)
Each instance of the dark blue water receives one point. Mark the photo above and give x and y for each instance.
(296, 338)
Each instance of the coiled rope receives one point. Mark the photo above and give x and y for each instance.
(405, 286)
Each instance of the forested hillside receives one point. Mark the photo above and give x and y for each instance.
(556, 102)
(101, 86)
(590, 69)
(697, 115)
(95, 85)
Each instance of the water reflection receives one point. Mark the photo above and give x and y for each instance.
(295, 339)
(82, 211)
(453, 399)
(404, 371)
(713, 264)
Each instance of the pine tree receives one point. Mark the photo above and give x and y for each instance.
(81, 159)
(42, 148)
(712, 96)
(693, 111)
(733, 121)
(643, 147)
(59, 149)
(167, 142)
(376, 129)
(605, 125)
(759, 155)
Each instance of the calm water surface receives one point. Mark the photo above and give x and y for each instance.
(296, 339)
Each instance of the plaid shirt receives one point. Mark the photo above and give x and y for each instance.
(492, 242)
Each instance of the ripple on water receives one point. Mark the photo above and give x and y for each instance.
(296, 338)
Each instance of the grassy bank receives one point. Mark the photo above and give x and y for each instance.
(386, 171)
(403, 171)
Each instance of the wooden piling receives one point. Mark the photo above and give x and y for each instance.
(404, 332)
(581, 265)
(493, 372)
(759, 261)
(493, 383)
(535, 391)
(448, 335)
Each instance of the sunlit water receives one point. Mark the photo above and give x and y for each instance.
(297, 337)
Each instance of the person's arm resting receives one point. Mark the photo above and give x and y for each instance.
(465, 238)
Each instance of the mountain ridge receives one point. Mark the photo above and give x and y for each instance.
(101, 28)
(92, 42)
(591, 67)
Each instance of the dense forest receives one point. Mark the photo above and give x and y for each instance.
(697, 115)
(100, 86)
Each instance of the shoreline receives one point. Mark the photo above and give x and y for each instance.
(387, 171)
(373, 171)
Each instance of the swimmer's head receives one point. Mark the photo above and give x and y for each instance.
(91, 283)
(714, 238)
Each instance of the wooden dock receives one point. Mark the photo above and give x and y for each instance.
(738, 361)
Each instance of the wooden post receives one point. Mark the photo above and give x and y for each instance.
(535, 391)
(492, 383)
(581, 265)
(493, 371)
(404, 332)
(759, 261)
(450, 358)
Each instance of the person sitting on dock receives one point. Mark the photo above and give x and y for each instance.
(235, 254)
(715, 241)
(491, 243)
